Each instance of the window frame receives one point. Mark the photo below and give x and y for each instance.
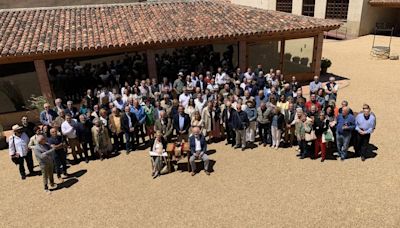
(284, 6)
(308, 8)
(337, 9)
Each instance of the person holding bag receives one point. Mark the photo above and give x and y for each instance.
(321, 125)
(300, 132)
(18, 150)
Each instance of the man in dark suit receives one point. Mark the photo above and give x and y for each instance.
(198, 149)
(240, 123)
(227, 118)
(164, 125)
(182, 124)
(71, 110)
(290, 115)
(128, 124)
(200, 83)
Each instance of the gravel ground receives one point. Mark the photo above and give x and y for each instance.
(255, 188)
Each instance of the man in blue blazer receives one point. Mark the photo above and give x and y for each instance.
(198, 149)
(47, 116)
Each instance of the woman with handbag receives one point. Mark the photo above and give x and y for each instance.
(321, 125)
(101, 139)
(303, 126)
(158, 154)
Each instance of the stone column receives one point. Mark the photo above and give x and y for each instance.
(317, 55)
(243, 57)
(151, 63)
(297, 7)
(43, 79)
(320, 8)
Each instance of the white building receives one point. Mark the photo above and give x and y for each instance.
(359, 16)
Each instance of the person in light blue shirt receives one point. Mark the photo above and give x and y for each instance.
(315, 85)
(138, 110)
(365, 126)
(344, 128)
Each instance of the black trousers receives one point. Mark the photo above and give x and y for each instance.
(86, 146)
(362, 144)
(230, 135)
(118, 141)
(29, 162)
(60, 160)
(139, 132)
(264, 130)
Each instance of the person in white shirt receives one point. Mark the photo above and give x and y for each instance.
(184, 97)
(19, 151)
(118, 102)
(68, 129)
(199, 102)
(198, 149)
(212, 86)
(221, 77)
(249, 75)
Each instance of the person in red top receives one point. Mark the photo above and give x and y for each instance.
(313, 101)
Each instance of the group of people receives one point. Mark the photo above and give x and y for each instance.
(199, 108)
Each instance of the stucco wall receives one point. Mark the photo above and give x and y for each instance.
(372, 15)
(263, 4)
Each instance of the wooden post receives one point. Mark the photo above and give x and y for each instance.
(317, 55)
(43, 79)
(243, 57)
(282, 56)
(151, 63)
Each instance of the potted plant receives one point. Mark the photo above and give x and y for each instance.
(37, 102)
(3, 142)
(296, 59)
(304, 61)
(287, 56)
(325, 64)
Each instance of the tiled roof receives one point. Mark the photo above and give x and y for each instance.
(51, 30)
(387, 3)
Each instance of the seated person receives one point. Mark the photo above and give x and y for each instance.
(157, 152)
(198, 148)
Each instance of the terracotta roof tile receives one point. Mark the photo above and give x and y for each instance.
(56, 29)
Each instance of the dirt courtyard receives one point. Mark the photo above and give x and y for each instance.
(255, 188)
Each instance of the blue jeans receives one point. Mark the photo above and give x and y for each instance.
(130, 140)
(343, 141)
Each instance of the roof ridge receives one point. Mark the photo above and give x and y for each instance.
(105, 5)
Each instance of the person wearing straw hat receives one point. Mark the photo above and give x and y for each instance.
(18, 150)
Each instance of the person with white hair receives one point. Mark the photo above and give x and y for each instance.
(315, 85)
(344, 128)
(240, 124)
(101, 139)
(58, 105)
(331, 89)
(198, 149)
(44, 155)
(71, 110)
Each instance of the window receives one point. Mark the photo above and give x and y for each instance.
(284, 6)
(267, 53)
(337, 9)
(298, 55)
(308, 8)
